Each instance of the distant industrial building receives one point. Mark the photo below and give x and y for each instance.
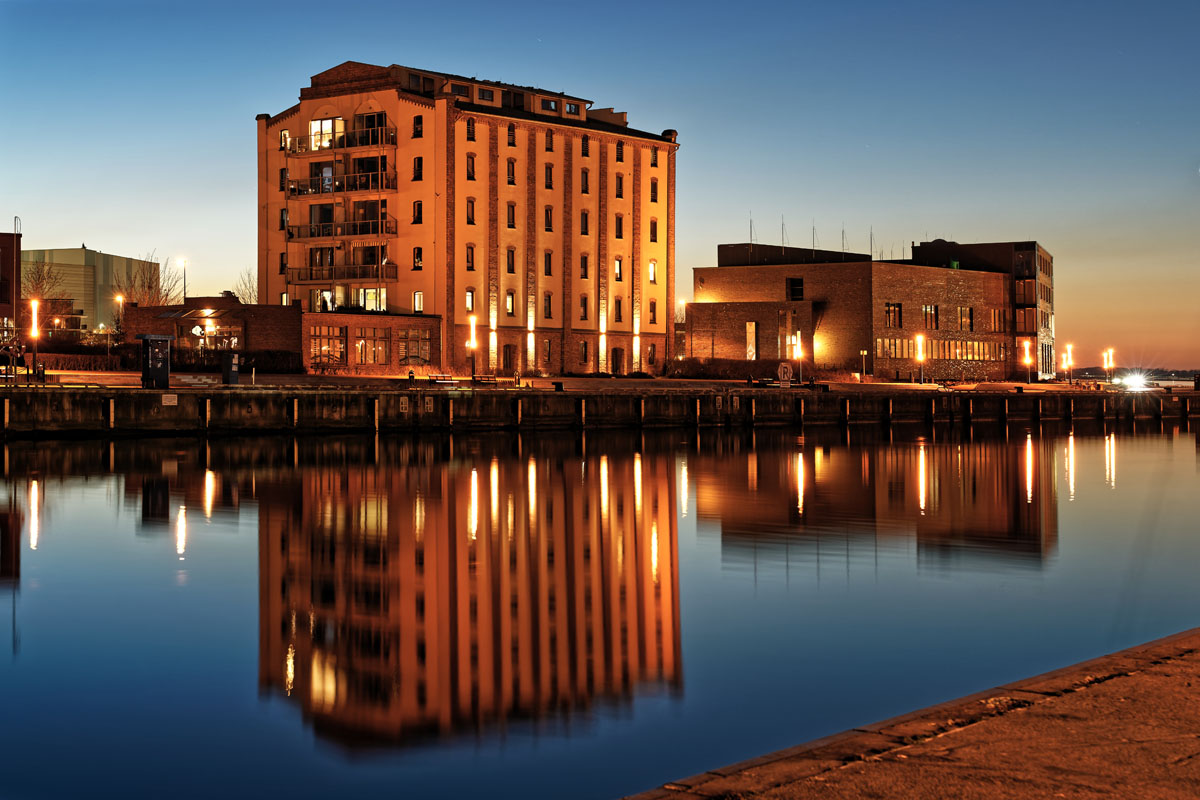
(89, 282)
(952, 311)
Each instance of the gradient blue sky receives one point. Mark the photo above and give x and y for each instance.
(130, 126)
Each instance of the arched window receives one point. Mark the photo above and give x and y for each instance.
(470, 258)
(470, 299)
(470, 166)
(418, 302)
(620, 151)
(652, 270)
(416, 218)
(549, 141)
(654, 230)
(418, 127)
(512, 135)
(549, 218)
(583, 147)
(619, 227)
(654, 190)
(416, 258)
(512, 172)
(549, 176)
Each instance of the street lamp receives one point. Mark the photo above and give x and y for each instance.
(921, 355)
(1028, 363)
(183, 266)
(472, 343)
(863, 353)
(34, 333)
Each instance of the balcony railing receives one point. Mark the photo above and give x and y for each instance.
(326, 230)
(352, 182)
(367, 137)
(342, 272)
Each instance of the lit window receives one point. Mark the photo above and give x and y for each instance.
(418, 302)
(285, 139)
(617, 270)
(283, 298)
(470, 299)
(416, 259)
(652, 269)
(510, 303)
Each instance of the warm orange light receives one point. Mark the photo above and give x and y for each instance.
(472, 342)
(1070, 357)
(1028, 358)
(920, 347)
(33, 331)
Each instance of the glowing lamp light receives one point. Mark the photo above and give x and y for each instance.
(472, 342)
(33, 308)
(1028, 358)
(920, 347)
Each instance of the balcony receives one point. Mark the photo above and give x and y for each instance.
(342, 272)
(344, 140)
(352, 182)
(328, 230)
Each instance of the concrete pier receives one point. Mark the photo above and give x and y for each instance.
(1123, 725)
(58, 410)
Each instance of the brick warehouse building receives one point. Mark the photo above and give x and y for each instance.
(549, 222)
(842, 304)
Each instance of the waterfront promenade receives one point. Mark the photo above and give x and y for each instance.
(328, 405)
(1124, 725)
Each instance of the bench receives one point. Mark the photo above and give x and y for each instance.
(485, 379)
(440, 378)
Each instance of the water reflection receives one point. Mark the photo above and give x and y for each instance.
(789, 497)
(421, 612)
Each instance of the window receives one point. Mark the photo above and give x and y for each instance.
(510, 261)
(512, 215)
(283, 298)
(326, 133)
(328, 343)
(546, 353)
(583, 181)
(583, 307)
(583, 223)
(998, 320)
(512, 135)
(282, 263)
(549, 141)
(285, 139)
(583, 360)
(654, 156)
(283, 219)
(966, 318)
(470, 166)
(510, 302)
(651, 354)
(620, 185)
(617, 270)
(470, 299)
(549, 218)
(416, 212)
(416, 259)
(418, 168)
(459, 90)
(547, 264)
(619, 227)
(654, 190)
(549, 105)
(487, 95)
(371, 345)
(470, 130)
(583, 147)
(930, 314)
(470, 258)
(282, 179)
(893, 315)
(549, 176)
(418, 127)
(548, 306)
(617, 310)
(795, 289)
(414, 82)
(620, 152)
(572, 108)
(654, 230)
(470, 210)
(653, 312)
(511, 174)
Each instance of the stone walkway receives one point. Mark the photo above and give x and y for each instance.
(1124, 725)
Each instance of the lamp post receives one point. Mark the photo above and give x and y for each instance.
(1028, 363)
(183, 266)
(472, 343)
(863, 354)
(921, 356)
(34, 333)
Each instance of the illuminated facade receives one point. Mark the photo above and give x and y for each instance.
(548, 222)
(428, 595)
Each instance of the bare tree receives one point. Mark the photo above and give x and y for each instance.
(246, 286)
(41, 280)
(149, 282)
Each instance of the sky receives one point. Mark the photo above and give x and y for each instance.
(129, 126)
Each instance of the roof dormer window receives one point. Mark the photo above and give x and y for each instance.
(549, 105)
(460, 90)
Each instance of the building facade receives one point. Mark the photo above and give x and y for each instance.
(538, 230)
(89, 282)
(10, 281)
(897, 320)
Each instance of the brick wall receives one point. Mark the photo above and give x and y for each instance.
(397, 330)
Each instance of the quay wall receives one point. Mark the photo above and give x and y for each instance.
(47, 411)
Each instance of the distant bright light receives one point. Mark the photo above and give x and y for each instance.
(1135, 380)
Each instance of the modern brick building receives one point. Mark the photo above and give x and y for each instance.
(405, 191)
(853, 313)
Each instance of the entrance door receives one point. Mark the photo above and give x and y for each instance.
(508, 358)
(616, 364)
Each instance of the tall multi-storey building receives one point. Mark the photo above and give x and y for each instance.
(539, 230)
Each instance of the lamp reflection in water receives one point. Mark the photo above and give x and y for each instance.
(1070, 466)
(683, 487)
(921, 478)
(408, 640)
(181, 532)
(210, 491)
(800, 483)
(1110, 460)
(35, 521)
(1028, 468)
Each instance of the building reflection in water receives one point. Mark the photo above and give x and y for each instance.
(788, 496)
(431, 591)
